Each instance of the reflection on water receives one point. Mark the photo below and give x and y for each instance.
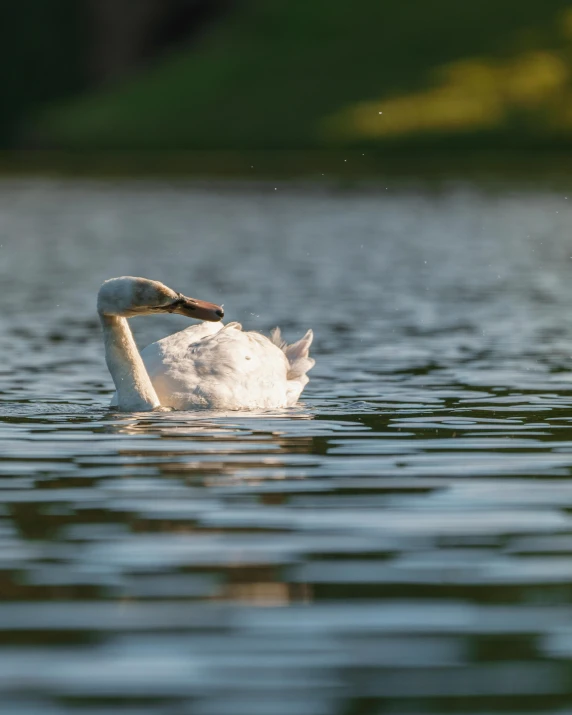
(399, 542)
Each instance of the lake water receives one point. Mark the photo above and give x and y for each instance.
(400, 542)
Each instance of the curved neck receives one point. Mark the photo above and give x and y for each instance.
(135, 392)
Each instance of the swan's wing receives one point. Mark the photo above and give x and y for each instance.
(185, 337)
(175, 346)
(225, 368)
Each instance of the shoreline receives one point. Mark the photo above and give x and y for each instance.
(340, 168)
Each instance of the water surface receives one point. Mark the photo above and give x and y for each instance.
(400, 542)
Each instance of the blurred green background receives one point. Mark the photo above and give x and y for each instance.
(209, 81)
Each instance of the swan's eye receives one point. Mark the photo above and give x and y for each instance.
(174, 305)
(182, 302)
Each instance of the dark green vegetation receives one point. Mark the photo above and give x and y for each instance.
(41, 58)
(290, 73)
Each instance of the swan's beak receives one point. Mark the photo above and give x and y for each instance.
(197, 309)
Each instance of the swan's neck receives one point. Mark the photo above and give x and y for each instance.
(135, 392)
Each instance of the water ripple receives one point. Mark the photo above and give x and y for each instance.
(401, 541)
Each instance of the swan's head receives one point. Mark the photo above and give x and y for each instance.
(129, 296)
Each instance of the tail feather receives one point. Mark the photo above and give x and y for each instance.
(298, 355)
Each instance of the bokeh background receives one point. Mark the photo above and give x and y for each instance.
(370, 79)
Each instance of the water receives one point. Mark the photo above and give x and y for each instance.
(400, 542)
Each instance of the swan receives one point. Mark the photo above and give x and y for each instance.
(209, 365)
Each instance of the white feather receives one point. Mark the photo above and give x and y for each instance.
(222, 367)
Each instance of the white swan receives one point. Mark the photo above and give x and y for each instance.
(210, 365)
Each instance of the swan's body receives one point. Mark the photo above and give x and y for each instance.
(209, 365)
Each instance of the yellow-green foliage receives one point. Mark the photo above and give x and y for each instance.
(330, 73)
